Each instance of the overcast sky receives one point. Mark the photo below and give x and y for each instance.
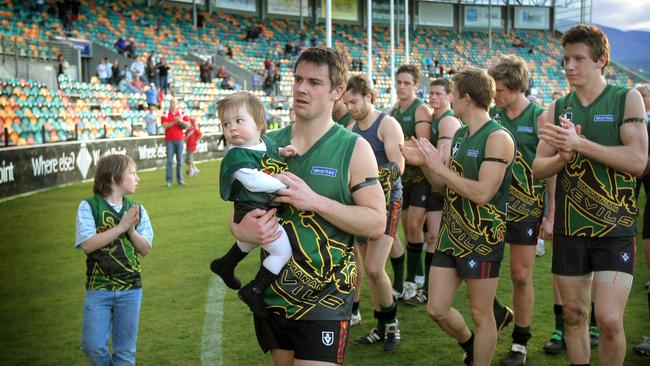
(622, 14)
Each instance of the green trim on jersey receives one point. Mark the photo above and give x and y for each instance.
(527, 193)
(435, 123)
(345, 120)
(114, 267)
(469, 230)
(412, 174)
(318, 281)
(238, 158)
(593, 200)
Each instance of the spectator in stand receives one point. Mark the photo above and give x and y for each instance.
(288, 49)
(276, 80)
(268, 83)
(61, 67)
(428, 63)
(102, 73)
(227, 84)
(174, 123)
(126, 74)
(137, 69)
(257, 80)
(125, 86)
(163, 74)
(221, 50)
(131, 49)
(151, 94)
(151, 120)
(115, 72)
(229, 52)
(192, 136)
(150, 68)
(120, 45)
(222, 73)
(202, 67)
(268, 65)
(138, 84)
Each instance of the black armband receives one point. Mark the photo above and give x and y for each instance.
(422, 121)
(635, 119)
(368, 182)
(498, 160)
(444, 138)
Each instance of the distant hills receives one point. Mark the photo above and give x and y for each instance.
(630, 48)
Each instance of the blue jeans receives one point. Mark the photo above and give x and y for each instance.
(107, 312)
(175, 148)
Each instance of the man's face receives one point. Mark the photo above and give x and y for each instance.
(438, 97)
(504, 96)
(580, 68)
(357, 104)
(460, 103)
(406, 86)
(312, 94)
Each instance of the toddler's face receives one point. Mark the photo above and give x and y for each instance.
(239, 127)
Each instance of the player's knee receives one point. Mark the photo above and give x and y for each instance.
(432, 239)
(609, 324)
(414, 228)
(575, 314)
(520, 276)
(373, 270)
(437, 312)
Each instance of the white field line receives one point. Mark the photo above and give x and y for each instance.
(211, 338)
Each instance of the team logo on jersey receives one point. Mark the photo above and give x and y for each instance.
(604, 118)
(525, 129)
(327, 337)
(568, 115)
(472, 153)
(625, 257)
(471, 263)
(530, 232)
(319, 170)
(497, 116)
(455, 148)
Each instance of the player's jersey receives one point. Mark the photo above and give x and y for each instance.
(526, 202)
(345, 120)
(240, 157)
(318, 281)
(469, 230)
(114, 267)
(406, 119)
(435, 129)
(593, 200)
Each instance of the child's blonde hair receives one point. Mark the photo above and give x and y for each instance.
(253, 105)
(110, 169)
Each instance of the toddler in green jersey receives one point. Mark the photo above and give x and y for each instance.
(246, 179)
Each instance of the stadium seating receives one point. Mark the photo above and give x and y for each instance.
(35, 114)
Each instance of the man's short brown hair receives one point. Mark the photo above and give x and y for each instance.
(337, 65)
(477, 84)
(414, 70)
(360, 85)
(512, 71)
(445, 83)
(253, 104)
(110, 169)
(593, 37)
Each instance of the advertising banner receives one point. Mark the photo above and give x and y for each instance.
(432, 14)
(381, 11)
(243, 5)
(288, 7)
(28, 169)
(528, 17)
(342, 10)
(477, 17)
(85, 47)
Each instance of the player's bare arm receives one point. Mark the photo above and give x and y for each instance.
(391, 134)
(423, 115)
(447, 129)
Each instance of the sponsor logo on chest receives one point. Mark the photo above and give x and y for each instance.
(525, 129)
(598, 118)
(324, 171)
(472, 153)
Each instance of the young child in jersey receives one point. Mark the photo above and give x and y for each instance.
(113, 231)
(192, 136)
(246, 180)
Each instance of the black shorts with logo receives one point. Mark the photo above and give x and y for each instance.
(465, 267)
(434, 201)
(317, 340)
(415, 194)
(522, 232)
(577, 256)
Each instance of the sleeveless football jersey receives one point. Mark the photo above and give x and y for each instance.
(240, 157)
(435, 123)
(469, 230)
(593, 200)
(114, 267)
(318, 281)
(345, 120)
(526, 202)
(406, 119)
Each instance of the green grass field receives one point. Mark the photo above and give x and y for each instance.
(43, 276)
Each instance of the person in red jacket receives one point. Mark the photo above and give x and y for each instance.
(174, 123)
(192, 136)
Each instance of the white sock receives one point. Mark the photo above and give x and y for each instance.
(245, 247)
(279, 253)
